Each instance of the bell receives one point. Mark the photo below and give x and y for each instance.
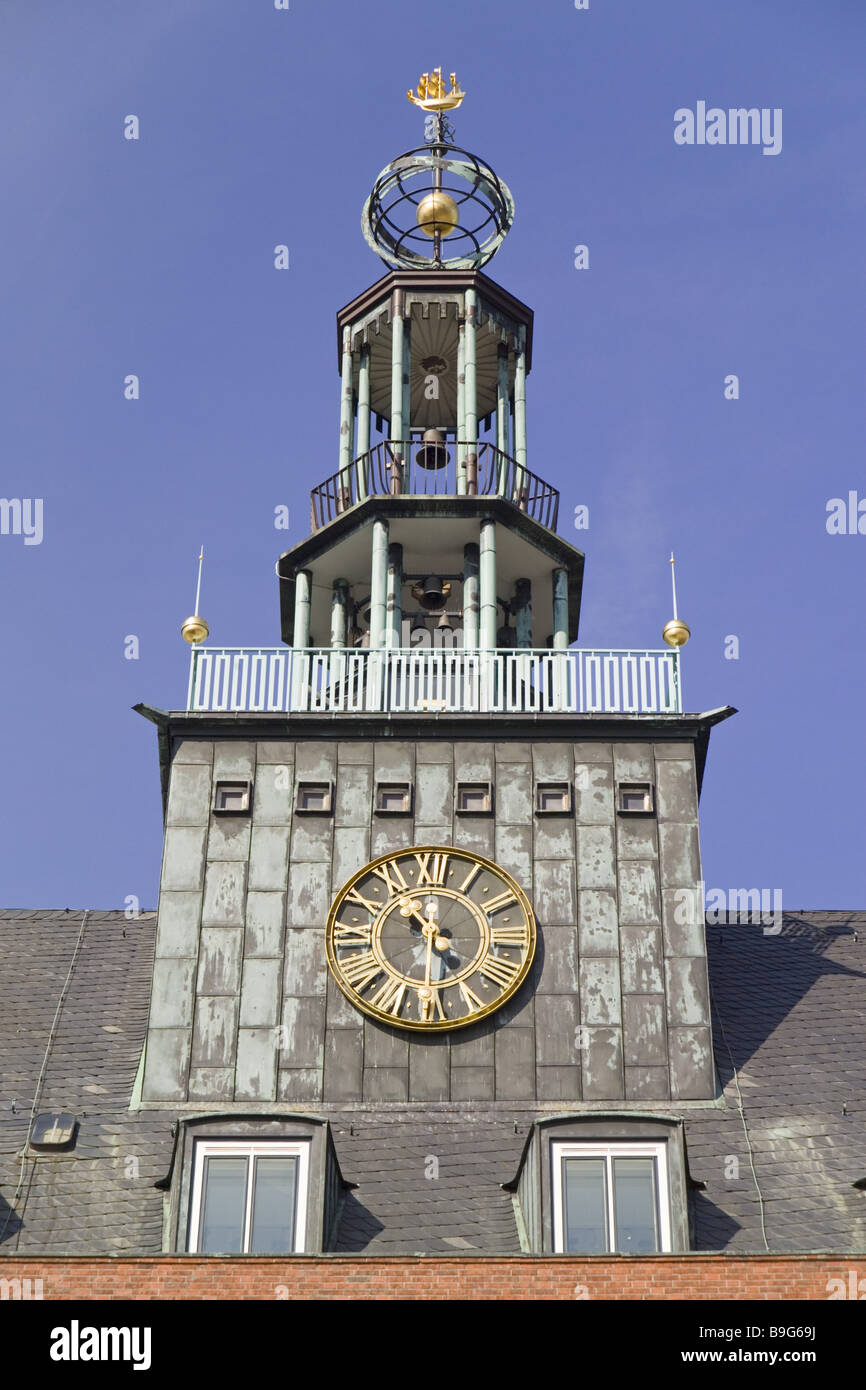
(444, 624)
(506, 637)
(432, 453)
(432, 593)
(419, 623)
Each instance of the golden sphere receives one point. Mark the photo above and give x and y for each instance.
(437, 213)
(194, 630)
(675, 633)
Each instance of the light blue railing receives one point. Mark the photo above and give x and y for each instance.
(324, 680)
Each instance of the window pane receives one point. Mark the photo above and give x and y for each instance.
(273, 1222)
(222, 1206)
(583, 1189)
(635, 1205)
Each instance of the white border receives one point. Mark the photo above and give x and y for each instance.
(244, 1148)
(608, 1151)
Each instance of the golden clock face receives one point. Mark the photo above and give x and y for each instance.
(430, 937)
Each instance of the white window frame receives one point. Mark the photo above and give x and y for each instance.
(243, 1148)
(609, 1151)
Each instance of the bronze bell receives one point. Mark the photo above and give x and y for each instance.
(432, 453)
(432, 593)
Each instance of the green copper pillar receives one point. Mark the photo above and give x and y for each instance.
(301, 630)
(298, 696)
(378, 584)
(340, 613)
(470, 400)
(394, 597)
(407, 399)
(461, 408)
(347, 424)
(520, 420)
(523, 612)
(502, 415)
(397, 394)
(470, 597)
(560, 609)
(363, 441)
(487, 586)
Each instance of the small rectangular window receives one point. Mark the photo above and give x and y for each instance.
(314, 797)
(553, 798)
(635, 798)
(394, 798)
(610, 1199)
(233, 798)
(249, 1199)
(474, 798)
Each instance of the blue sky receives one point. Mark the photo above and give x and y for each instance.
(260, 127)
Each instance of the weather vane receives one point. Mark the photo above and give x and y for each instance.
(437, 193)
(434, 97)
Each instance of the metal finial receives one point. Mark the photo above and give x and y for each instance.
(463, 208)
(675, 633)
(195, 629)
(201, 562)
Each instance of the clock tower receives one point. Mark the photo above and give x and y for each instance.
(428, 852)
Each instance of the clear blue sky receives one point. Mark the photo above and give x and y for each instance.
(155, 257)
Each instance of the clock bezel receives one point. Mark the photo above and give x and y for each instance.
(433, 1025)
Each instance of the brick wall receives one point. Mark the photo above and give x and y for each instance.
(405, 1277)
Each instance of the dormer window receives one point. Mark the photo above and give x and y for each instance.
(249, 1198)
(610, 1199)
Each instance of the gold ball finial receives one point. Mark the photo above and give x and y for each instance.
(675, 633)
(437, 214)
(194, 630)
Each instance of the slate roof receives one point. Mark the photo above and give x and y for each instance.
(788, 1015)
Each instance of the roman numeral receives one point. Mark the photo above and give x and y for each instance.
(470, 999)
(500, 901)
(392, 875)
(361, 969)
(353, 896)
(510, 936)
(351, 935)
(470, 878)
(389, 996)
(435, 876)
(501, 971)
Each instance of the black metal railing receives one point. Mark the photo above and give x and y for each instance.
(390, 469)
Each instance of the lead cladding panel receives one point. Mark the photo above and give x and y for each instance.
(616, 1007)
